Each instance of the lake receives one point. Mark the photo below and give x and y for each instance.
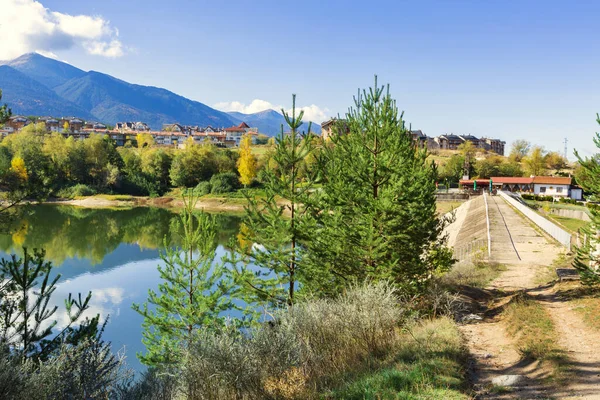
(112, 253)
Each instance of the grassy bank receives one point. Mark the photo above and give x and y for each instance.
(428, 364)
(573, 225)
(444, 207)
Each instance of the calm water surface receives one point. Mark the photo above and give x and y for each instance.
(112, 253)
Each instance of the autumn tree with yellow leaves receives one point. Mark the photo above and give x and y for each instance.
(247, 161)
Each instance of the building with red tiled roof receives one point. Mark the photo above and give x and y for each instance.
(513, 183)
(555, 186)
(552, 186)
(235, 133)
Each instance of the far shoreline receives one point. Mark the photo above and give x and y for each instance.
(210, 204)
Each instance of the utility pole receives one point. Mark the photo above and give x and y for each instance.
(566, 141)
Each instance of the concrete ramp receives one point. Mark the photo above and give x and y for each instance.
(514, 238)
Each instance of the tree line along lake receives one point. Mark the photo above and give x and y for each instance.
(114, 253)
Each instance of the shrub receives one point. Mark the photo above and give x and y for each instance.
(78, 190)
(567, 200)
(202, 189)
(225, 182)
(86, 370)
(299, 351)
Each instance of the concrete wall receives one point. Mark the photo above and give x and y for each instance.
(562, 236)
(452, 196)
(582, 215)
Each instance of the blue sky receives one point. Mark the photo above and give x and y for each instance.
(507, 69)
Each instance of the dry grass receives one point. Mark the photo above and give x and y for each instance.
(314, 346)
(427, 364)
(476, 274)
(589, 309)
(535, 336)
(444, 207)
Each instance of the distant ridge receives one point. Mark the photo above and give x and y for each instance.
(269, 122)
(36, 85)
(27, 96)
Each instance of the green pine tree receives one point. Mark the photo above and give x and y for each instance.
(26, 324)
(5, 112)
(587, 261)
(277, 222)
(375, 216)
(194, 294)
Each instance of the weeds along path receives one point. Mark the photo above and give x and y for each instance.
(580, 342)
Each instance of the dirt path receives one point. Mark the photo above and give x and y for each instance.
(526, 253)
(582, 346)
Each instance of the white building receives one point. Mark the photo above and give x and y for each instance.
(555, 186)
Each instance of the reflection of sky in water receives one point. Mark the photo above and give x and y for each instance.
(122, 277)
(113, 292)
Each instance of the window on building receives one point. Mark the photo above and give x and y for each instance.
(543, 189)
(559, 189)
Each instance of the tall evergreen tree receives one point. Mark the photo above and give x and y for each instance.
(193, 295)
(5, 112)
(277, 222)
(375, 216)
(587, 261)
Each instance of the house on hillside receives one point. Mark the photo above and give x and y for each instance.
(174, 128)
(419, 138)
(75, 124)
(449, 142)
(495, 145)
(327, 127)
(216, 138)
(233, 135)
(473, 139)
(52, 124)
(16, 123)
(94, 125)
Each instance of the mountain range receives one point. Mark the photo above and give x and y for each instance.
(36, 85)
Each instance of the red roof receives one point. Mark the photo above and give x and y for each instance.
(552, 180)
(243, 125)
(235, 129)
(470, 182)
(512, 180)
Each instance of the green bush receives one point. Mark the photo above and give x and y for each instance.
(225, 182)
(536, 197)
(78, 190)
(203, 188)
(567, 200)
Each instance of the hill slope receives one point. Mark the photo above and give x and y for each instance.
(28, 97)
(48, 72)
(113, 100)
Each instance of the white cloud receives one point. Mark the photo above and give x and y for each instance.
(311, 113)
(26, 26)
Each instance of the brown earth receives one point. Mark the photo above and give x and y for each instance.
(527, 254)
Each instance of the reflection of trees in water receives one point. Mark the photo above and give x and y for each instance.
(73, 232)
